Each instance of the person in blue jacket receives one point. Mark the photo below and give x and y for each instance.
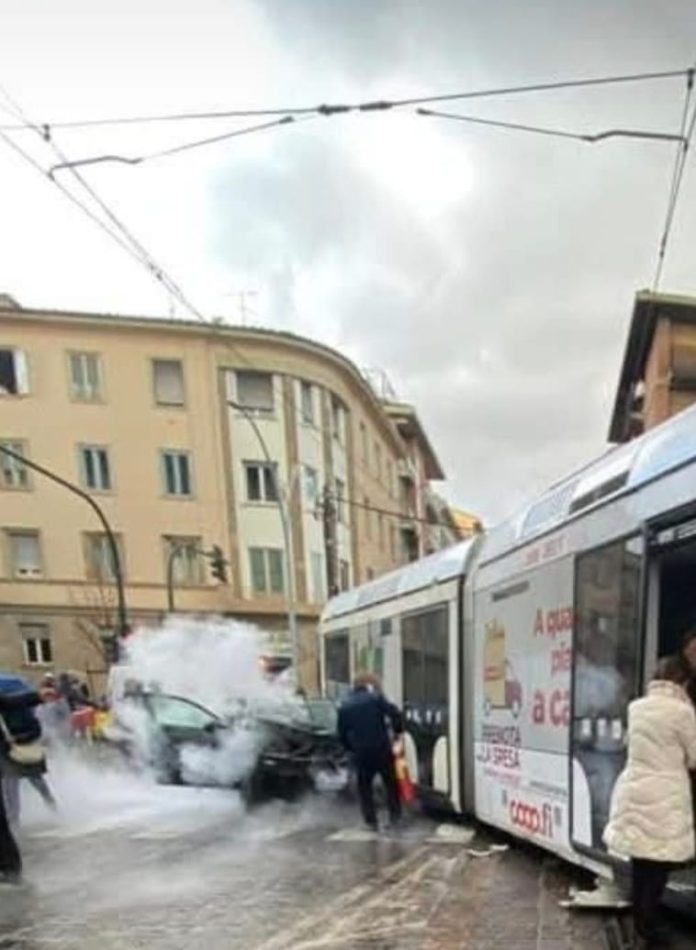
(10, 857)
(19, 700)
(363, 730)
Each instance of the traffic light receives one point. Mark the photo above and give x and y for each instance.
(218, 564)
(110, 645)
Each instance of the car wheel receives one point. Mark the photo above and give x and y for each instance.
(251, 788)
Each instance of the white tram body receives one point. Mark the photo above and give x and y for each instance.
(515, 655)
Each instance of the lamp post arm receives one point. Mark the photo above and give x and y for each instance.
(111, 539)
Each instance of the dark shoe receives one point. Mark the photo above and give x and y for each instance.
(657, 940)
(11, 880)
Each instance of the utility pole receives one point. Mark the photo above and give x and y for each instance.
(330, 541)
(123, 626)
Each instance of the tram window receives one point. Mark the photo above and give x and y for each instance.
(605, 672)
(336, 663)
(424, 640)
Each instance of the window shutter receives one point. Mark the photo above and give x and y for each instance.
(258, 569)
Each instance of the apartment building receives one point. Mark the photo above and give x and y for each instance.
(658, 375)
(184, 434)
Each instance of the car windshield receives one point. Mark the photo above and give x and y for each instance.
(174, 712)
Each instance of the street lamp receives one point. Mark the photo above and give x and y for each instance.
(282, 502)
(123, 627)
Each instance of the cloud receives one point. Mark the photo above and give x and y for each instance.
(490, 274)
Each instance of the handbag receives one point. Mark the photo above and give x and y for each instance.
(23, 754)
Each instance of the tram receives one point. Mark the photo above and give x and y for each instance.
(514, 655)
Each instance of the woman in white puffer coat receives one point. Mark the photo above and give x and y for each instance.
(652, 818)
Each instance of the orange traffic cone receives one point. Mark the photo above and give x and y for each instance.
(407, 790)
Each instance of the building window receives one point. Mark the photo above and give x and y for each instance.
(267, 570)
(95, 468)
(25, 554)
(364, 444)
(311, 479)
(187, 567)
(36, 644)
(318, 577)
(255, 391)
(390, 476)
(368, 517)
(344, 574)
(341, 501)
(85, 377)
(176, 474)
(14, 372)
(380, 529)
(13, 473)
(369, 574)
(393, 545)
(378, 461)
(261, 481)
(307, 403)
(168, 382)
(100, 559)
(338, 420)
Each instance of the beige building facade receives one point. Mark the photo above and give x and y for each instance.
(184, 434)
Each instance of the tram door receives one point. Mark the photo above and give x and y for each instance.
(671, 612)
(671, 590)
(606, 677)
(425, 657)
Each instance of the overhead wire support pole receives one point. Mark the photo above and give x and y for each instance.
(677, 176)
(284, 512)
(123, 626)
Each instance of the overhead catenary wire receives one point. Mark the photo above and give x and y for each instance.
(587, 137)
(327, 109)
(122, 234)
(177, 149)
(389, 513)
(677, 176)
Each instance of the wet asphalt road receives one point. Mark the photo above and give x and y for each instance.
(147, 867)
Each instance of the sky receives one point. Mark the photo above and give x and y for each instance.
(490, 274)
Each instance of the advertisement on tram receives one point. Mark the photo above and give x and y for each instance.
(523, 636)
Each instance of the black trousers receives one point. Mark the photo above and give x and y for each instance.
(649, 882)
(368, 764)
(10, 859)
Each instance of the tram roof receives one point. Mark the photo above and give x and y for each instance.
(434, 569)
(622, 469)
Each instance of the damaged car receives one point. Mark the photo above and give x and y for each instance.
(272, 750)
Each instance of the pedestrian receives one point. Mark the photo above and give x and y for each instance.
(10, 857)
(651, 817)
(21, 752)
(363, 730)
(688, 657)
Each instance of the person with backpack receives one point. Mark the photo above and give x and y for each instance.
(21, 753)
(10, 856)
